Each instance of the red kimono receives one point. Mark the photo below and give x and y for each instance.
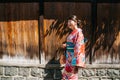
(75, 54)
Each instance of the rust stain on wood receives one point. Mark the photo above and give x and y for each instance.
(19, 30)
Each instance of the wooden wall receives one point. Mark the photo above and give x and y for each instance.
(106, 45)
(55, 28)
(19, 30)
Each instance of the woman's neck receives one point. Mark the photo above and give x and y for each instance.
(74, 28)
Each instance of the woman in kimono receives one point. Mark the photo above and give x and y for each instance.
(75, 50)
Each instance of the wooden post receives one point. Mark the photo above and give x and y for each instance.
(94, 25)
(41, 32)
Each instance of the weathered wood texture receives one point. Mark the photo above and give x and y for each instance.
(55, 25)
(19, 30)
(106, 47)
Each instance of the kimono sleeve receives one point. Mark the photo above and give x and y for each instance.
(79, 44)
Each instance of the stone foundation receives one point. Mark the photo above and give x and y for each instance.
(53, 72)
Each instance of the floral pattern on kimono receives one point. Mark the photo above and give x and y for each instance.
(75, 54)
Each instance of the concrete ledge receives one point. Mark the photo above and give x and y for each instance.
(103, 66)
(36, 71)
(58, 65)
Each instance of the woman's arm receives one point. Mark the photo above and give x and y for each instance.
(79, 42)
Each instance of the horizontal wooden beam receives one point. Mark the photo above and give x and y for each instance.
(88, 66)
(26, 1)
(98, 1)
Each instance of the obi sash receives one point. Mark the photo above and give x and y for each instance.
(70, 50)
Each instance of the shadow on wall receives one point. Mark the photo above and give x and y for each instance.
(61, 30)
(59, 26)
(107, 38)
(53, 73)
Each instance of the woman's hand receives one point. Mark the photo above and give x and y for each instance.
(63, 45)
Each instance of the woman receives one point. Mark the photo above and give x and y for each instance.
(75, 50)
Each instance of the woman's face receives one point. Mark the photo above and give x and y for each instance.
(71, 24)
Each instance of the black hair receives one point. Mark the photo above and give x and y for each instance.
(74, 18)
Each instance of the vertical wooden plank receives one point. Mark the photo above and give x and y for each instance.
(17, 28)
(94, 25)
(5, 36)
(20, 31)
(42, 44)
(41, 33)
(1, 29)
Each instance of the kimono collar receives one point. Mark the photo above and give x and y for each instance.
(76, 30)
